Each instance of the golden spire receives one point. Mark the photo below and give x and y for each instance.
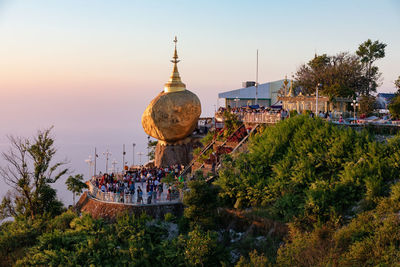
(291, 93)
(285, 83)
(174, 84)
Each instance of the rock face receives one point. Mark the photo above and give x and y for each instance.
(110, 211)
(168, 155)
(172, 116)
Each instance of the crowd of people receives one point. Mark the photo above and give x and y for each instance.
(268, 110)
(249, 109)
(259, 112)
(145, 183)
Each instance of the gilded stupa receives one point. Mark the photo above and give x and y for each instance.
(173, 114)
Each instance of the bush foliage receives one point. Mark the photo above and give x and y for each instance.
(309, 170)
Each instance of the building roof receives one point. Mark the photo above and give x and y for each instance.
(264, 91)
(387, 96)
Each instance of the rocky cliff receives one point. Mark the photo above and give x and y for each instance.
(109, 211)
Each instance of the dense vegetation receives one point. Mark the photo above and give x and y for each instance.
(311, 171)
(394, 106)
(307, 193)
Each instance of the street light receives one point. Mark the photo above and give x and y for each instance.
(316, 98)
(90, 162)
(114, 163)
(107, 154)
(148, 148)
(140, 154)
(133, 154)
(354, 104)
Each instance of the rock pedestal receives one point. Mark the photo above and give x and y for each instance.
(171, 154)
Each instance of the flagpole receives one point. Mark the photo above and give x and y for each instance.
(95, 156)
(123, 158)
(256, 101)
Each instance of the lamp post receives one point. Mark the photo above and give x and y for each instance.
(148, 148)
(90, 162)
(107, 154)
(114, 163)
(316, 98)
(133, 154)
(140, 154)
(354, 104)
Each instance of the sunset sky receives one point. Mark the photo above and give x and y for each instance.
(91, 67)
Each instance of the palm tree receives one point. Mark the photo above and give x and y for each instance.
(75, 185)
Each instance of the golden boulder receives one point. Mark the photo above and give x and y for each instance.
(172, 116)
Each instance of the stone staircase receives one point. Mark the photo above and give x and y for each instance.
(232, 144)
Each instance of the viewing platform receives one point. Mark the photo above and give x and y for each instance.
(153, 198)
(110, 205)
(253, 117)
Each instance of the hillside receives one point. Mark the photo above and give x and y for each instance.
(306, 193)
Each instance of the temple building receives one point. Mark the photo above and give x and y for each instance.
(295, 100)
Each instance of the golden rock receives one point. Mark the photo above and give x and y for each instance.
(171, 117)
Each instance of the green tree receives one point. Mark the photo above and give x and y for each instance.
(76, 185)
(397, 84)
(394, 107)
(29, 172)
(201, 248)
(367, 104)
(151, 146)
(340, 75)
(231, 122)
(369, 52)
(255, 260)
(201, 204)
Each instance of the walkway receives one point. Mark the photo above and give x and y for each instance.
(132, 199)
(254, 117)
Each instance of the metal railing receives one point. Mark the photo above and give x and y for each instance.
(255, 117)
(154, 198)
(260, 117)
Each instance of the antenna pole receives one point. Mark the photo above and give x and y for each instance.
(95, 157)
(256, 101)
(123, 158)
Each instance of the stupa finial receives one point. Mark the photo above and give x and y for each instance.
(175, 83)
(175, 57)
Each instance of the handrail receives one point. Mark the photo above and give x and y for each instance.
(224, 143)
(185, 170)
(257, 117)
(245, 138)
(218, 164)
(129, 199)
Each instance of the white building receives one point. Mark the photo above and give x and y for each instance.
(267, 94)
